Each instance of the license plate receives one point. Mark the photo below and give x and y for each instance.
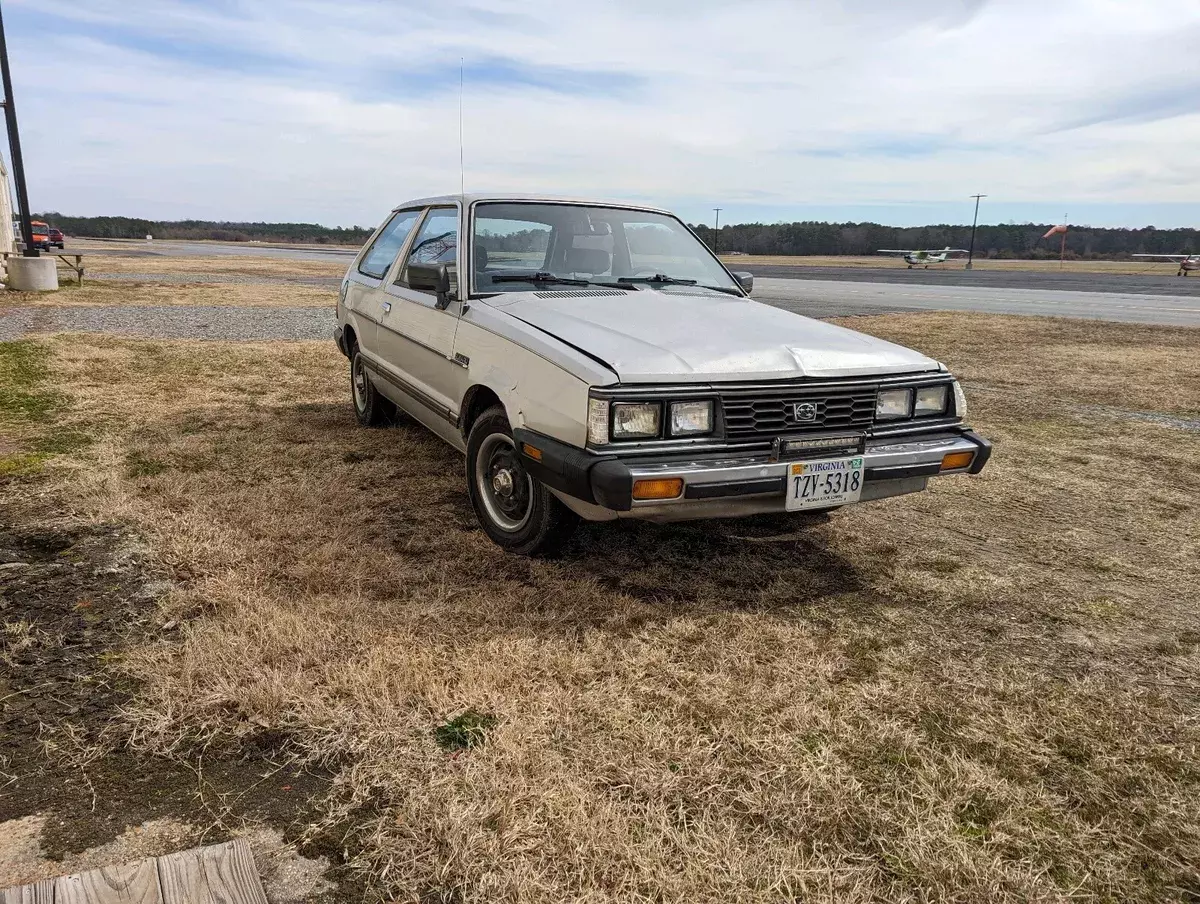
(824, 483)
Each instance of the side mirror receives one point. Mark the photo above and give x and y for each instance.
(433, 278)
(745, 280)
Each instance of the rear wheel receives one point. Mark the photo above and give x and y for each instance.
(514, 509)
(371, 409)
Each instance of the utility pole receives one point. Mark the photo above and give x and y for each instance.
(14, 145)
(717, 230)
(974, 223)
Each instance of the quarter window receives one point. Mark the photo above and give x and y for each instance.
(436, 243)
(387, 245)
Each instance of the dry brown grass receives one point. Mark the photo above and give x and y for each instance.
(894, 261)
(985, 692)
(103, 292)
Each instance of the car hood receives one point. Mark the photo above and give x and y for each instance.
(652, 336)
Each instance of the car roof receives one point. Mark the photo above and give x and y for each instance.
(474, 197)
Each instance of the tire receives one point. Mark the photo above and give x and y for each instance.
(370, 408)
(514, 509)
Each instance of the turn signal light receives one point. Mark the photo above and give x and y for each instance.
(532, 451)
(953, 461)
(661, 488)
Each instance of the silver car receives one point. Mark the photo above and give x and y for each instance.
(597, 361)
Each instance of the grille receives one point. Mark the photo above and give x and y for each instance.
(579, 293)
(755, 413)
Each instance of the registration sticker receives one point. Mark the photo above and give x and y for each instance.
(824, 483)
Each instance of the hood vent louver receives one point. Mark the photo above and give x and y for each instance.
(579, 293)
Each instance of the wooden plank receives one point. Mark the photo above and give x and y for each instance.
(37, 893)
(218, 874)
(129, 883)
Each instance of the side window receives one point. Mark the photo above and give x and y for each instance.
(437, 243)
(384, 249)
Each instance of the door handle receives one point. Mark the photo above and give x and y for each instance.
(387, 306)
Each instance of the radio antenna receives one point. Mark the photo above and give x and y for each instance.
(462, 176)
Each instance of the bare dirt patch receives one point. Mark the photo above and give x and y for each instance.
(75, 600)
(985, 692)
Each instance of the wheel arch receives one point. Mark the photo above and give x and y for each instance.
(478, 399)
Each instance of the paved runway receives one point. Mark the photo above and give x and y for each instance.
(1159, 281)
(827, 298)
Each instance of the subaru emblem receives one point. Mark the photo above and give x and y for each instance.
(804, 412)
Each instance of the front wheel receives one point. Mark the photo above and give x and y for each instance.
(519, 513)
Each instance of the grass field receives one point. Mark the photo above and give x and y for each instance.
(984, 692)
(245, 266)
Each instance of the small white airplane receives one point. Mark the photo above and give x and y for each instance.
(1186, 261)
(923, 258)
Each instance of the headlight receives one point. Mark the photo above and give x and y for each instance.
(893, 403)
(598, 421)
(930, 400)
(636, 420)
(691, 418)
(960, 401)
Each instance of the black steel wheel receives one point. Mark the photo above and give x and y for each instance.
(517, 511)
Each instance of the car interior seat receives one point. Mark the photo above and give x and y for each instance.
(592, 261)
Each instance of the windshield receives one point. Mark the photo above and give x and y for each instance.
(576, 243)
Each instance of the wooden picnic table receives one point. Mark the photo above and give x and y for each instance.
(77, 266)
(73, 261)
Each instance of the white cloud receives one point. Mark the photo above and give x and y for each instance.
(334, 111)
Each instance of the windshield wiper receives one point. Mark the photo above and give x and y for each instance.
(728, 290)
(540, 277)
(657, 278)
(672, 281)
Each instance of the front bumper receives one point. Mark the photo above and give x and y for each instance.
(601, 487)
(339, 337)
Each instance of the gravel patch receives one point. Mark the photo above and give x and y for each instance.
(173, 322)
(324, 282)
(226, 322)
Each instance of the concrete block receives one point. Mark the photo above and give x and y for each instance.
(32, 274)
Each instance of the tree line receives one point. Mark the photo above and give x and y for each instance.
(803, 238)
(1005, 241)
(135, 228)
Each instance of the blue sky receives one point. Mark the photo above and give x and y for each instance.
(335, 110)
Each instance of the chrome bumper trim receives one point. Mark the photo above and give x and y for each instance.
(890, 460)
